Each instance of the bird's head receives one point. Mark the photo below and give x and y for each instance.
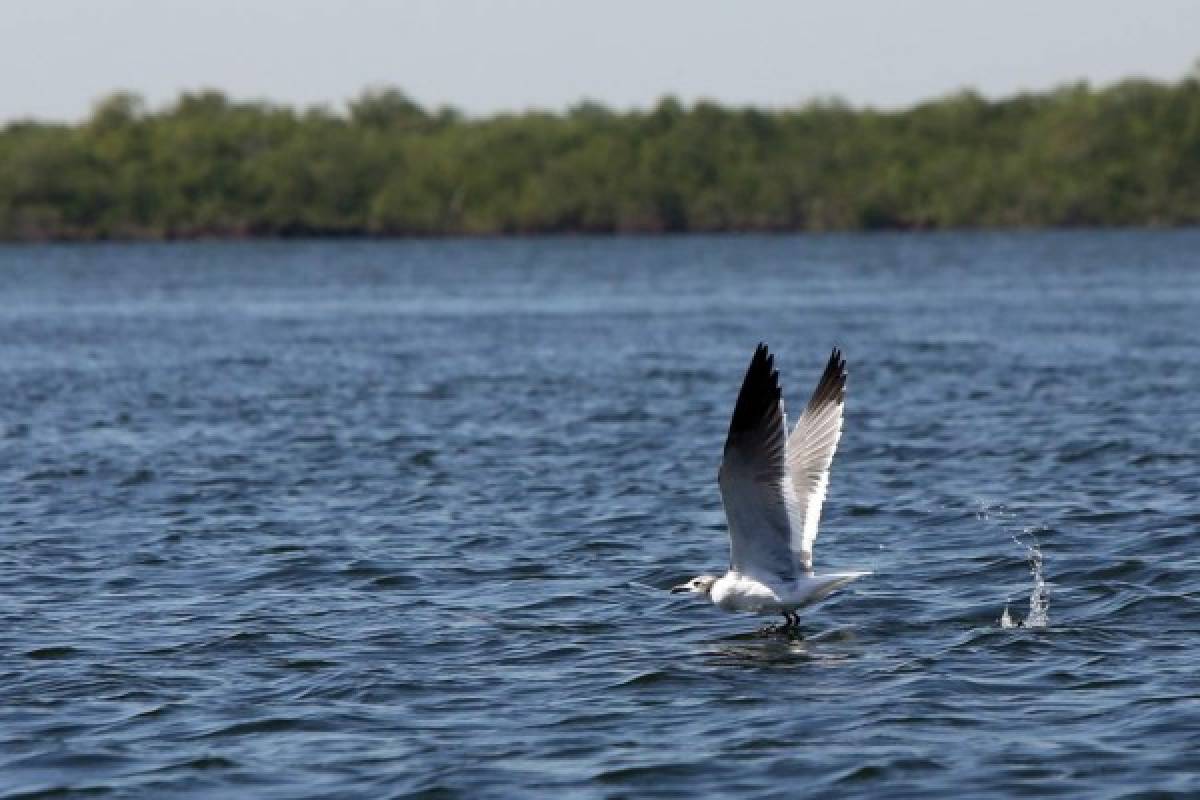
(701, 584)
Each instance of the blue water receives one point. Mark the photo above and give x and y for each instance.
(377, 519)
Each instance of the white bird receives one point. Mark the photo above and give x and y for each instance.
(773, 486)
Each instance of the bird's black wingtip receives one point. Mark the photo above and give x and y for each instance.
(760, 392)
(832, 386)
(838, 359)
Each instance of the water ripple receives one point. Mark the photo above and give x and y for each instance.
(273, 529)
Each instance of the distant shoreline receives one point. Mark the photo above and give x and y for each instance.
(591, 235)
(206, 168)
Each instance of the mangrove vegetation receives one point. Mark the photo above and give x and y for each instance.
(1127, 154)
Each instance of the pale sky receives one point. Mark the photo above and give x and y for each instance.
(58, 56)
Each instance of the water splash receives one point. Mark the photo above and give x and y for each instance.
(986, 510)
(1039, 597)
(1006, 620)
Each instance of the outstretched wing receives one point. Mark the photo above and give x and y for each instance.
(753, 477)
(810, 450)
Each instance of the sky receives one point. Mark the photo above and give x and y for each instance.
(57, 57)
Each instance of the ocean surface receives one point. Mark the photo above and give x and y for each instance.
(397, 519)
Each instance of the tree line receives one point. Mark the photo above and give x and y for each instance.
(1126, 154)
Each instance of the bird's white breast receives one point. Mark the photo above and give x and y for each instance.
(736, 592)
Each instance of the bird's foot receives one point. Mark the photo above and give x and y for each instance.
(789, 627)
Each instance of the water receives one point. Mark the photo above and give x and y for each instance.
(369, 520)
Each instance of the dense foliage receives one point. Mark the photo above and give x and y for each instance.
(1124, 155)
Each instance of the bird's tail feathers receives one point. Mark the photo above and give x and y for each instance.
(832, 582)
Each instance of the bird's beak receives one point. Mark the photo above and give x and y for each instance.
(683, 587)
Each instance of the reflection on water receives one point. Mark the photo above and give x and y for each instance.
(771, 647)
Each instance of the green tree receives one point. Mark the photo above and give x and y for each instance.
(1127, 154)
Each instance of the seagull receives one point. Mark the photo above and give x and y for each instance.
(773, 486)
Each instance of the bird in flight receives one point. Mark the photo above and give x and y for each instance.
(772, 486)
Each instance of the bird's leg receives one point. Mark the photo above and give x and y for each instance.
(789, 622)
